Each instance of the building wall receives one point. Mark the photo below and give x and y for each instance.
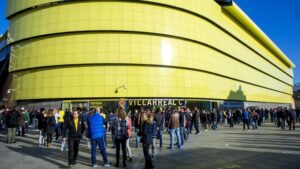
(5, 76)
(162, 48)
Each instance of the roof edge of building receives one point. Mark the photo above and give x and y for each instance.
(236, 12)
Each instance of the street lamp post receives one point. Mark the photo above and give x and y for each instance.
(120, 87)
(9, 92)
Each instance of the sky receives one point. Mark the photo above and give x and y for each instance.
(279, 19)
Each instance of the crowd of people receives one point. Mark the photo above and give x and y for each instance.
(70, 127)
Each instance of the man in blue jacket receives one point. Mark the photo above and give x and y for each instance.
(96, 133)
(245, 116)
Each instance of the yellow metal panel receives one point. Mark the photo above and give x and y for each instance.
(192, 28)
(138, 49)
(199, 85)
(236, 12)
(181, 54)
(206, 8)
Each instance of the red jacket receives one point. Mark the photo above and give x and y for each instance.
(129, 127)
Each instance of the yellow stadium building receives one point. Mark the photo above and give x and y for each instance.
(149, 52)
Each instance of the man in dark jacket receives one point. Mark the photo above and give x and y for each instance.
(42, 126)
(160, 119)
(196, 120)
(182, 120)
(11, 123)
(75, 127)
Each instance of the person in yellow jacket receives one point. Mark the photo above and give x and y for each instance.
(61, 121)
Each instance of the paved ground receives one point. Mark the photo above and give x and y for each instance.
(226, 148)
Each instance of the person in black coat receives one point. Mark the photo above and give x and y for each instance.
(74, 126)
(42, 126)
(146, 139)
(11, 120)
(50, 127)
(160, 119)
(195, 120)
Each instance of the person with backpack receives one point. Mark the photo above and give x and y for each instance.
(121, 135)
(111, 119)
(50, 127)
(255, 119)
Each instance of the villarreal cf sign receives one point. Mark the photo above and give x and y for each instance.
(156, 102)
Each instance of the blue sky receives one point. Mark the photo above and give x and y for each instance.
(279, 19)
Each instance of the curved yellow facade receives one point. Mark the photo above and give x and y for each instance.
(162, 48)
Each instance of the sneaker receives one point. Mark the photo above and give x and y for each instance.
(130, 159)
(107, 165)
(70, 166)
(206, 130)
(94, 165)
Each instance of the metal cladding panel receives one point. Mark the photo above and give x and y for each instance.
(196, 43)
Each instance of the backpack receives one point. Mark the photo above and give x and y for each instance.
(51, 121)
(255, 115)
(153, 129)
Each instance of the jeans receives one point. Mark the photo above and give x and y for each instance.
(283, 123)
(172, 132)
(191, 127)
(138, 138)
(245, 121)
(35, 123)
(128, 149)
(214, 125)
(73, 149)
(182, 135)
(160, 137)
(112, 137)
(254, 123)
(21, 128)
(104, 137)
(2, 125)
(57, 131)
(101, 144)
(49, 138)
(42, 136)
(196, 125)
(153, 145)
